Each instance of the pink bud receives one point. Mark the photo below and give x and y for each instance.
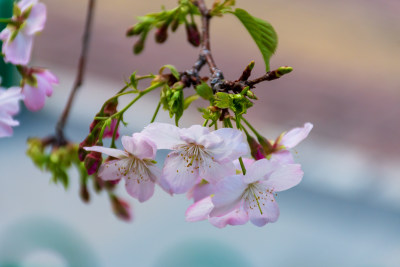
(193, 35)
(121, 208)
(92, 162)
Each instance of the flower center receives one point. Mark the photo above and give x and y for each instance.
(134, 168)
(256, 196)
(193, 154)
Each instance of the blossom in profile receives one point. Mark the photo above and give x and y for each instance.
(288, 140)
(9, 106)
(135, 164)
(37, 85)
(197, 154)
(254, 192)
(28, 19)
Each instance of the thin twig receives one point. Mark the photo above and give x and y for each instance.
(80, 74)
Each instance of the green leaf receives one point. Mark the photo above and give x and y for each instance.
(262, 33)
(188, 100)
(173, 70)
(204, 91)
(134, 81)
(223, 100)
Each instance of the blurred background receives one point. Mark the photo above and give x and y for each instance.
(346, 81)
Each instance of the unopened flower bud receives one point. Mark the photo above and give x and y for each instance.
(121, 208)
(193, 35)
(174, 25)
(84, 193)
(111, 107)
(161, 34)
(257, 151)
(90, 140)
(92, 162)
(266, 145)
(134, 30)
(138, 46)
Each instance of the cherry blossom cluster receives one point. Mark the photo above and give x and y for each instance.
(29, 17)
(208, 166)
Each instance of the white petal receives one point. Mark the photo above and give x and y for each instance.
(164, 135)
(178, 174)
(285, 177)
(233, 147)
(283, 156)
(227, 195)
(260, 170)
(116, 153)
(193, 134)
(200, 191)
(213, 171)
(296, 135)
(18, 51)
(199, 210)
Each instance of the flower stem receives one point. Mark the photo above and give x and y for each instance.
(156, 112)
(251, 127)
(242, 166)
(115, 133)
(205, 123)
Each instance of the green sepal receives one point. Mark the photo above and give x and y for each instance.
(173, 70)
(204, 91)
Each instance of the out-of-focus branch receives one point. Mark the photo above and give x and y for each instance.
(79, 76)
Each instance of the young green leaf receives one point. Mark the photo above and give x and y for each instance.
(188, 100)
(172, 69)
(223, 100)
(204, 91)
(262, 33)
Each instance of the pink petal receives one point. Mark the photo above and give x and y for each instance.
(109, 171)
(283, 156)
(233, 147)
(140, 188)
(18, 51)
(6, 121)
(9, 100)
(270, 212)
(260, 170)
(36, 20)
(46, 80)
(178, 174)
(140, 146)
(227, 195)
(200, 191)
(164, 135)
(285, 177)
(34, 97)
(236, 217)
(296, 135)
(25, 4)
(116, 153)
(199, 210)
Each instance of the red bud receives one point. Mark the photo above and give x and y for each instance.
(92, 162)
(193, 35)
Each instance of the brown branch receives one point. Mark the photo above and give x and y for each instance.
(217, 74)
(80, 74)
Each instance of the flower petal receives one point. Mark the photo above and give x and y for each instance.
(36, 20)
(233, 147)
(178, 174)
(283, 156)
(296, 135)
(199, 210)
(34, 97)
(236, 217)
(18, 51)
(9, 100)
(164, 135)
(25, 4)
(260, 170)
(110, 170)
(201, 190)
(140, 146)
(193, 134)
(270, 212)
(227, 195)
(141, 188)
(116, 153)
(213, 171)
(285, 177)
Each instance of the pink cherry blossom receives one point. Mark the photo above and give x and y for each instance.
(38, 83)
(286, 141)
(135, 164)
(9, 106)
(197, 154)
(17, 37)
(254, 191)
